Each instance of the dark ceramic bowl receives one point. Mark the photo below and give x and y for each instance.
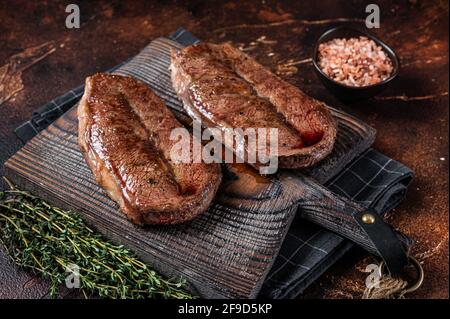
(350, 93)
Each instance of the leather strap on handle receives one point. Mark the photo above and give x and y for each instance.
(391, 245)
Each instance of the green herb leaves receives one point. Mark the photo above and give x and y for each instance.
(50, 241)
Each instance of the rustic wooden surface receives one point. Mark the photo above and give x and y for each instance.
(411, 117)
(225, 252)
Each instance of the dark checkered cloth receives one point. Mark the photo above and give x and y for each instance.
(372, 179)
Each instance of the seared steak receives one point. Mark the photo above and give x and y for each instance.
(124, 134)
(223, 87)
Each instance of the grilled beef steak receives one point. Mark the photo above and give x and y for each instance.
(223, 87)
(124, 131)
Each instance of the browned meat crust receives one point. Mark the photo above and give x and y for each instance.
(124, 134)
(225, 88)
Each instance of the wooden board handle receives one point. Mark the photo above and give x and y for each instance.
(352, 221)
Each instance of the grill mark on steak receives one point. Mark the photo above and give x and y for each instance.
(124, 135)
(223, 87)
(238, 102)
(150, 147)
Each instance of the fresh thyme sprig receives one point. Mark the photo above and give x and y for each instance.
(49, 241)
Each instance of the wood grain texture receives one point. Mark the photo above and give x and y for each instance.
(226, 252)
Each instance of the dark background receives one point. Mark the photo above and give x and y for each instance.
(411, 116)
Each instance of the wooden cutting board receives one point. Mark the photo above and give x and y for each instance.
(226, 252)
